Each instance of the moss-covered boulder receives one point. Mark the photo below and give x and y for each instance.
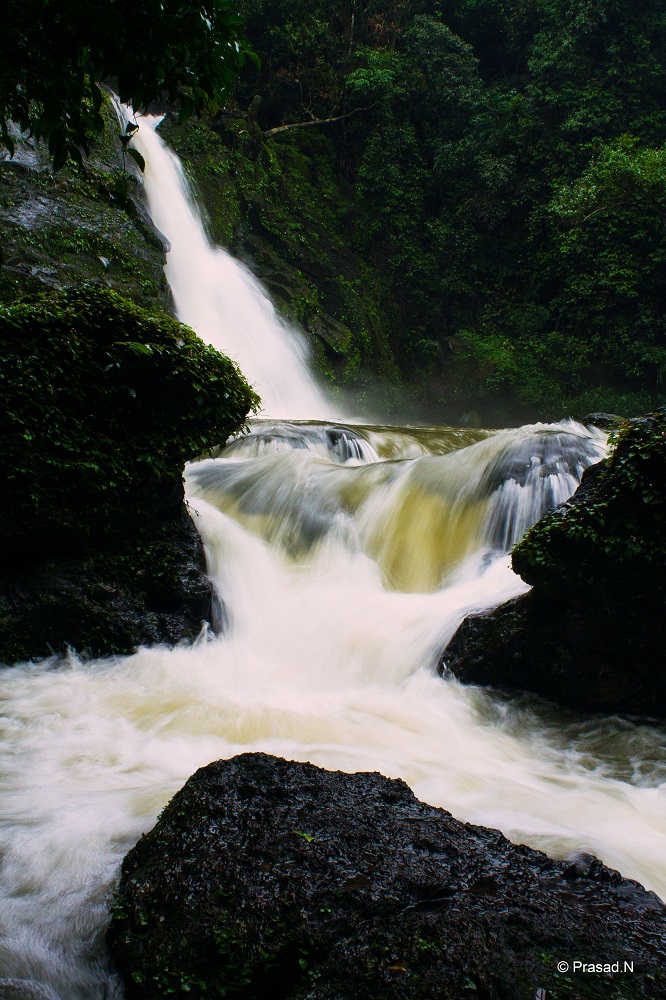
(103, 404)
(590, 633)
(267, 879)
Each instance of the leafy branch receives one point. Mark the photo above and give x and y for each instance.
(55, 54)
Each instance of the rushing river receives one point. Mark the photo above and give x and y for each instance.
(343, 558)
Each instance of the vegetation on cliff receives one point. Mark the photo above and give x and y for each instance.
(77, 225)
(470, 191)
(55, 54)
(456, 197)
(103, 405)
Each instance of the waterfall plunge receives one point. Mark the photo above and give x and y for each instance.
(220, 298)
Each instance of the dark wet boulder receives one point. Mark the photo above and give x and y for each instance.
(267, 878)
(531, 643)
(103, 403)
(589, 634)
(150, 588)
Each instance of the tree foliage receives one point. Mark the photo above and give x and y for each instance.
(54, 53)
(499, 167)
(506, 177)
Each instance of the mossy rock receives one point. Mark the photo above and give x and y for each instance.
(613, 531)
(81, 224)
(589, 633)
(103, 405)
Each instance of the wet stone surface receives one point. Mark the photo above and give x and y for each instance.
(272, 878)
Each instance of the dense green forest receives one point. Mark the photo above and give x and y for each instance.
(497, 170)
(461, 201)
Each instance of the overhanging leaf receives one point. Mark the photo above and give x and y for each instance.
(59, 157)
(138, 159)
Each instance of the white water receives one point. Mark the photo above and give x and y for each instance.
(344, 559)
(220, 298)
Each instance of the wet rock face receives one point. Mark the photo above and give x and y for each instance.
(77, 225)
(606, 421)
(110, 600)
(24, 989)
(556, 650)
(267, 878)
(589, 635)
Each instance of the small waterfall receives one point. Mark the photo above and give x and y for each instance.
(220, 298)
(416, 517)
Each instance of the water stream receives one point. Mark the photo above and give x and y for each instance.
(343, 557)
(220, 298)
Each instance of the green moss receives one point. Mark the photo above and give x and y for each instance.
(615, 526)
(104, 399)
(103, 405)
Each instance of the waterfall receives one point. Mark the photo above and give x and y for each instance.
(418, 517)
(220, 298)
(344, 558)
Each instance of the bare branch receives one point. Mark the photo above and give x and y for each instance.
(314, 121)
(604, 208)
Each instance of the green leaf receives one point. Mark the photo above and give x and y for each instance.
(135, 346)
(138, 158)
(186, 108)
(75, 153)
(59, 157)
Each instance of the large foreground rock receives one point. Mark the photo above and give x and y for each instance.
(590, 632)
(267, 878)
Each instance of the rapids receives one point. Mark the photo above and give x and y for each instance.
(343, 557)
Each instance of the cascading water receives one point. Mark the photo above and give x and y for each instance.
(219, 298)
(416, 518)
(344, 558)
